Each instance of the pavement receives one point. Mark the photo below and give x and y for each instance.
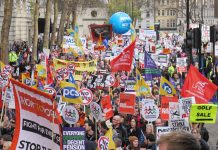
(213, 134)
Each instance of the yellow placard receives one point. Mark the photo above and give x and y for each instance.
(203, 113)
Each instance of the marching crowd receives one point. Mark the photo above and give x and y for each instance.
(130, 132)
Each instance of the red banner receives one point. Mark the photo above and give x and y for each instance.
(123, 62)
(107, 107)
(198, 86)
(164, 114)
(127, 103)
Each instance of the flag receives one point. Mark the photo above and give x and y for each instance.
(49, 78)
(25, 78)
(166, 88)
(105, 42)
(133, 33)
(198, 86)
(2, 65)
(123, 62)
(150, 68)
(41, 71)
(70, 93)
(71, 78)
(40, 85)
(141, 87)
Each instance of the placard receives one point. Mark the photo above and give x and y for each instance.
(164, 114)
(150, 112)
(96, 110)
(174, 110)
(86, 95)
(130, 83)
(70, 114)
(73, 138)
(181, 64)
(185, 105)
(179, 124)
(127, 103)
(203, 113)
(103, 143)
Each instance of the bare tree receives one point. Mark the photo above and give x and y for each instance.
(62, 21)
(8, 7)
(35, 37)
(54, 28)
(47, 24)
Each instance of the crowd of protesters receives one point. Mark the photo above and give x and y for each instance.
(129, 132)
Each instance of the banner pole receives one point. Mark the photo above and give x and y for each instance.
(53, 122)
(3, 106)
(96, 130)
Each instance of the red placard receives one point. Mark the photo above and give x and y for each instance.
(107, 107)
(127, 103)
(164, 113)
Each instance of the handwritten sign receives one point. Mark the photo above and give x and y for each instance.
(203, 113)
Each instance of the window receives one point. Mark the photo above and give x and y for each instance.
(171, 12)
(147, 14)
(158, 12)
(162, 12)
(168, 2)
(171, 23)
(168, 23)
(168, 12)
(162, 2)
(174, 23)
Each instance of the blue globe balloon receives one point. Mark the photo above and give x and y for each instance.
(120, 22)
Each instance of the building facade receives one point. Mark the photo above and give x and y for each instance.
(21, 22)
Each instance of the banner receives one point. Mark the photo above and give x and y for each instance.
(164, 114)
(174, 110)
(127, 103)
(185, 105)
(147, 34)
(123, 62)
(130, 83)
(80, 67)
(150, 112)
(107, 107)
(198, 86)
(73, 138)
(203, 113)
(162, 58)
(36, 119)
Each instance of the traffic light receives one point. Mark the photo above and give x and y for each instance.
(196, 38)
(213, 33)
(189, 37)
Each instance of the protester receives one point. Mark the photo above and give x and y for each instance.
(134, 143)
(197, 135)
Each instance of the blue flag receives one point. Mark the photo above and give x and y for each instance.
(150, 68)
(71, 79)
(105, 42)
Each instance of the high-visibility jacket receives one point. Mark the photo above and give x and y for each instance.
(13, 57)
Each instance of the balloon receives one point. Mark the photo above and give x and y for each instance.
(120, 22)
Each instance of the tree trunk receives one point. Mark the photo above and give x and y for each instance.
(8, 7)
(74, 19)
(47, 24)
(62, 21)
(53, 36)
(35, 37)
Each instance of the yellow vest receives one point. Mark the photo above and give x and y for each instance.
(12, 57)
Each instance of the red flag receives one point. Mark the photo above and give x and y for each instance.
(107, 107)
(127, 103)
(123, 61)
(48, 73)
(198, 86)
